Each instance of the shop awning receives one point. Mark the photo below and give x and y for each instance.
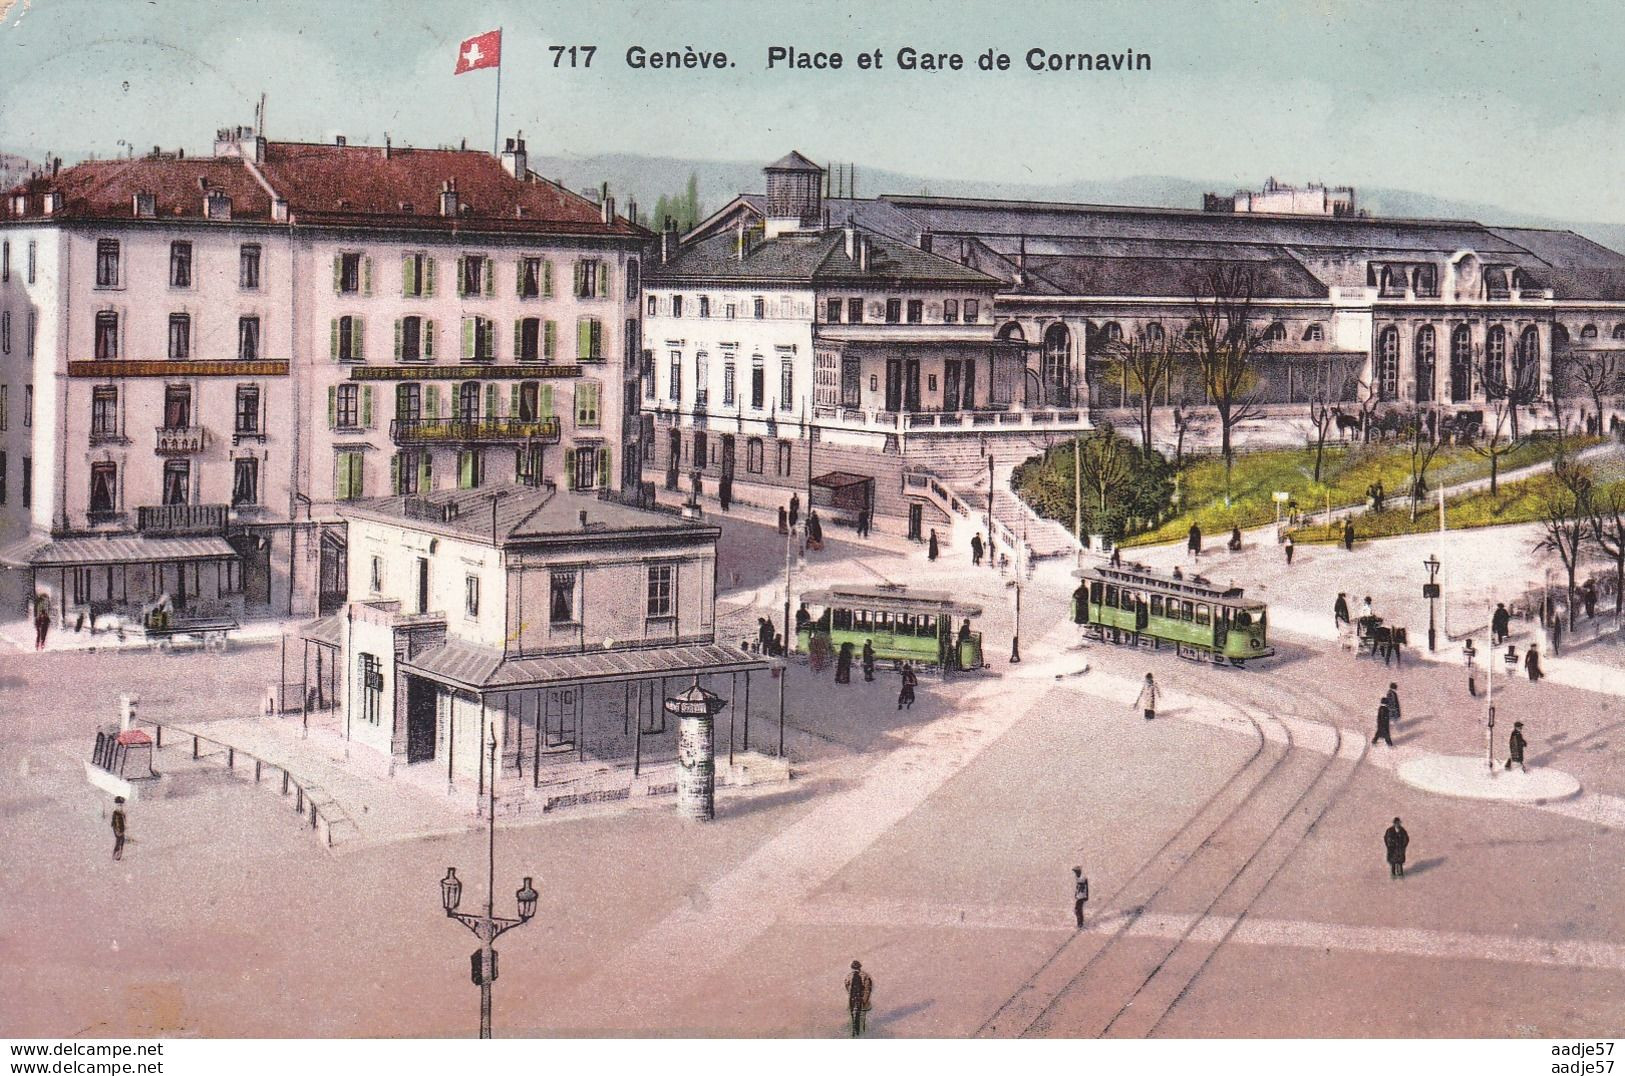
(841, 480)
(114, 549)
(482, 669)
(328, 631)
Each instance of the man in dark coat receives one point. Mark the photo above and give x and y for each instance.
(863, 523)
(843, 664)
(1080, 604)
(1396, 840)
(1384, 715)
(784, 520)
(815, 530)
(976, 550)
(1392, 699)
(931, 550)
(42, 620)
(764, 634)
(725, 491)
(1340, 610)
(795, 509)
(860, 989)
(1501, 623)
(905, 696)
(1080, 894)
(1117, 556)
(868, 661)
(1348, 535)
(1531, 663)
(118, 827)
(1515, 745)
(1193, 541)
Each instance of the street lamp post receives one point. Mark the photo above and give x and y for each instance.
(1468, 653)
(489, 926)
(1430, 591)
(1489, 693)
(784, 661)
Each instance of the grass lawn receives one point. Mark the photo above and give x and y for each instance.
(1346, 473)
(1515, 502)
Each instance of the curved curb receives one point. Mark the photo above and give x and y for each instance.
(1471, 778)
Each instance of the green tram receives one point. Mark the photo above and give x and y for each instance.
(1134, 604)
(926, 627)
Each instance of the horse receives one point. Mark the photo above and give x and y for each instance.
(1346, 423)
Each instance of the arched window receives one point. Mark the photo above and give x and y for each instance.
(1495, 357)
(1152, 332)
(1392, 283)
(1461, 364)
(1111, 332)
(1426, 280)
(1057, 356)
(1388, 363)
(1012, 331)
(1314, 332)
(1427, 353)
(1560, 335)
(1619, 331)
(1589, 332)
(1526, 362)
(1275, 332)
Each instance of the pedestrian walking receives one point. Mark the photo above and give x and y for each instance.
(976, 550)
(1117, 556)
(1348, 535)
(795, 509)
(959, 644)
(725, 491)
(1177, 573)
(1080, 894)
(1384, 715)
(1395, 840)
(860, 989)
(1557, 636)
(764, 634)
(815, 531)
(118, 827)
(931, 549)
(1515, 745)
(1588, 595)
(42, 619)
(1340, 610)
(843, 664)
(1287, 546)
(868, 661)
(1146, 700)
(1235, 539)
(1193, 541)
(1531, 663)
(1501, 623)
(863, 523)
(905, 695)
(1080, 603)
(784, 521)
(1392, 699)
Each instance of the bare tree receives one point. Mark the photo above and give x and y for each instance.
(1499, 435)
(1324, 416)
(1225, 347)
(1608, 531)
(1143, 367)
(1516, 388)
(1565, 519)
(1599, 373)
(1105, 464)
(1424, 445)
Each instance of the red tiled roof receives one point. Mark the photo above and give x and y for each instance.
(356, 186)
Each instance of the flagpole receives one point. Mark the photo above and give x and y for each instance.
(496, 125)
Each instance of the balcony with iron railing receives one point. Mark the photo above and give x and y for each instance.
(446, 431)
(179, 440)
(171, 519)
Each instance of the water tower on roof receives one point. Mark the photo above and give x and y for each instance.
(795, 194)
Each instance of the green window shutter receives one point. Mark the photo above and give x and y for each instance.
(428, 274)
(518, 338)
(513, 400)
(595, 346)
(569, 468)
(395, 473)
(583, 339)
(550, 348)
(519, 278)
(547, 280)
(366, 406)
(490, 328)
(460, 290)
(577, 278)
(342, 483)
(603, 280)
(397, 339)
(491, 401)
(332, 407)
(465, 470)
(489, 265)
(428, 340)
(603, 467)
(357, 338)
(358, 474)
(431, 400)
(335, 344)
(468, 338)
(338, 273)
(408, 275)
(547, 401)
(366, 276)
(425, 472)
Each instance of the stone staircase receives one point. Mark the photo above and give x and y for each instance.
(960, 463)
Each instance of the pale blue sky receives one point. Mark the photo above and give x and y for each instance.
(1514, 104)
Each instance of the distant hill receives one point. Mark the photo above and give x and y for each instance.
(646, 178)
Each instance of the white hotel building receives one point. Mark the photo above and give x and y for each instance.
(202, 358)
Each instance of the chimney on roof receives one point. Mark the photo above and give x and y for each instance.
(863, 253)
(668, 240)
(239, 141)
(925, 241)
(515, 161)
(607, 210)
(632, 210)
(340, 140)
(56, 165)
(851, 241)
(144, 204)
(448, 198)
(387, 145)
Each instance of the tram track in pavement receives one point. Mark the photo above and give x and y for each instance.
(1124, 983)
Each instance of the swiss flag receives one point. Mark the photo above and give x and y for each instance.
(483, 50)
